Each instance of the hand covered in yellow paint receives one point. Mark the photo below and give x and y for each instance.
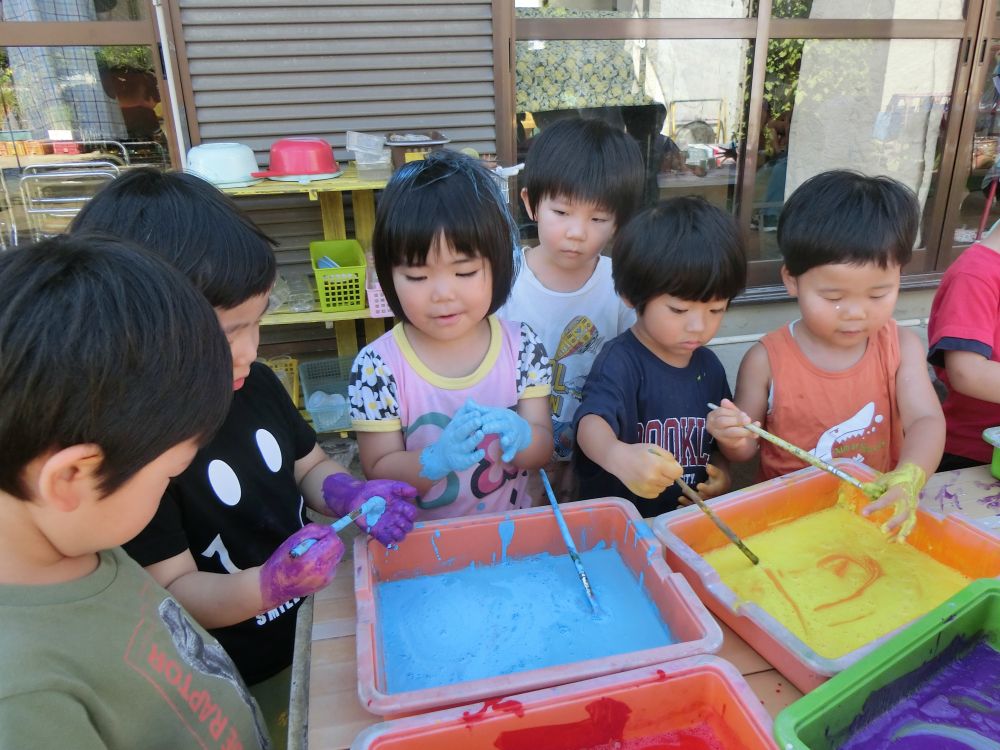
(645, 469)
(716, 484)
(900, 490)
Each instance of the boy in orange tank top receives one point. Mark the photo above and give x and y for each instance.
(842, 381)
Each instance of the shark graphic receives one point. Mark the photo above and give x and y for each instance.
(849, 428)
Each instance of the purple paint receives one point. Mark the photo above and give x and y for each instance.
(955, 706)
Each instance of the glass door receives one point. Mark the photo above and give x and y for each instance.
(972, 201)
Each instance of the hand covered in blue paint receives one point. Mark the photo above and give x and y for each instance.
(286, 576)
(342, 494)
(513, 429)
(456, 449)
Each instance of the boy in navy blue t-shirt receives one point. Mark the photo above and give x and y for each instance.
(642, 421)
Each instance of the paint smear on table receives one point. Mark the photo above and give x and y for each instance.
(521, 614)
(835, 581)
(604, 728)
(956, 707)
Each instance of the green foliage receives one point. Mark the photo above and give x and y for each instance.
(136, 58)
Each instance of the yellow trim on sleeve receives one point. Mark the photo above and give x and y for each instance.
(441, 381)
(377, 425)
(535, 391)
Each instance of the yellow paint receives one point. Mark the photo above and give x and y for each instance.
(834, 579)
(911, 479)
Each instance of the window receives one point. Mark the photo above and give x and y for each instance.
(750, 99)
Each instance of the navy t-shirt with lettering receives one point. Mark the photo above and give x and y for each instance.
(233, 506)
(645, 400)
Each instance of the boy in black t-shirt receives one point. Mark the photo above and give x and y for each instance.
(221, 538)
(641, 423)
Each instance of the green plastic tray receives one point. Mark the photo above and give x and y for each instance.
(821, 719)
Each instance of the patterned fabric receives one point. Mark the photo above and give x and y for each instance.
(392, 390)
(577, 73)
(573, 326)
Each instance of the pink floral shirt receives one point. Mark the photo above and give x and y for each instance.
(391, 389)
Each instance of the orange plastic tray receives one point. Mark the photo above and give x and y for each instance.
(640, 704)
(687, 534)
(475, 539)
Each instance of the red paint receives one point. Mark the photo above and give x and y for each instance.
(606, 723)
(781, 589)
(497, 704)
(839, 565)
(660, 675)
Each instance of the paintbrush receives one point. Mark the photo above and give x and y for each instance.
(341, 523)
(723, 526)
(573, 554)
(809, 458)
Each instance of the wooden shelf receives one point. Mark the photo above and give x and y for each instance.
(293, 318)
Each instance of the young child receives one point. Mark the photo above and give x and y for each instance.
(452, 400)
(964, 338)
(641, 423)
(843, 380)
(97, 337)
(583, 180)
(223, 523)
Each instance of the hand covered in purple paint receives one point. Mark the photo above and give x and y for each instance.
(456, 449)
(513, 429)
(342, 494)
(284, 576)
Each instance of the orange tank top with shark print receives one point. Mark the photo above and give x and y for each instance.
(849, 414)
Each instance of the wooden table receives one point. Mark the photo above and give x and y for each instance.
(327, 713)
(330, 195)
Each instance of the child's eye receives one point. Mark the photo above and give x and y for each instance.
(676, 310)
(413, 277)
(467, 274)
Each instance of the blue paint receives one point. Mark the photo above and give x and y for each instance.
(481, 506)
(434, 537)
(527, 613)
(506, 531)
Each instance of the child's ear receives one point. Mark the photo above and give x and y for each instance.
(790, 282)
(527, 206)
(69, 476)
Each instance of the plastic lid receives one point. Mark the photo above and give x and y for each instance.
(992, 436)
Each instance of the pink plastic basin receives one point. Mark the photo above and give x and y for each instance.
(635, 707)
(475, 539)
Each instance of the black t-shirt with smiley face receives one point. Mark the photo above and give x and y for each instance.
(233, 506)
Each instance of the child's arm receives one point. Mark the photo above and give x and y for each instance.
(328, 488)
(923, 435)
(216, 600)
(973, 375)
(645, 469)
(726, 423)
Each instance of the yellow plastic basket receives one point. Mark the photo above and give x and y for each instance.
(286, 367)
(341, 288)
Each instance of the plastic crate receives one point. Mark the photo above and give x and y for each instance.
(829, 715)
(286, 367)
(329, 376)
(377, 305)
(341, 288)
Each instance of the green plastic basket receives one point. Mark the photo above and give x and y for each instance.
(341, 288)
(822, 720)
